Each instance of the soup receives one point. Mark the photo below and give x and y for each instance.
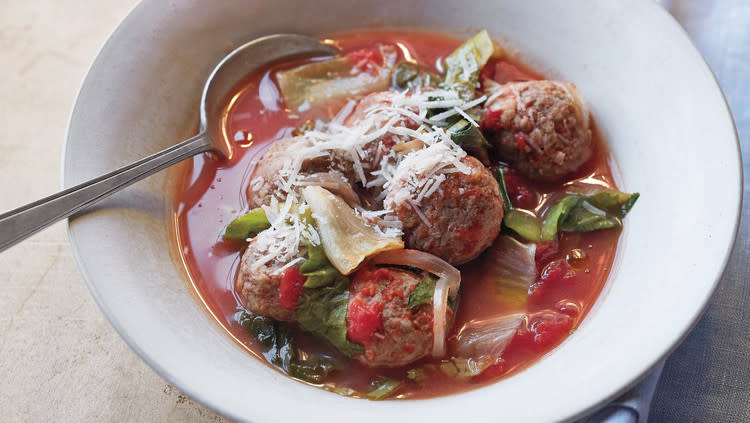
(487, 211)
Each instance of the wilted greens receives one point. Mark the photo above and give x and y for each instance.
(423, 292)
(247, 226)
(600, 209)
(278, 343)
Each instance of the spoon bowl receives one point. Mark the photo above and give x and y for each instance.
(16, 225)
(236, 66)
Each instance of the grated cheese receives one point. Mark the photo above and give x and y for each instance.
(356, 136)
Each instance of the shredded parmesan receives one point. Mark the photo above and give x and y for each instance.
(356, 137)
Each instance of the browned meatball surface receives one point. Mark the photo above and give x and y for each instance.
(458, 221)
(266, 179)
(379, 318)
(258, 278)
(540, 127)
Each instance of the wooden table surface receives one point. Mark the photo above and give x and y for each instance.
(60, 358)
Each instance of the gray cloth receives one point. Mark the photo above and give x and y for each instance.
(633, 406)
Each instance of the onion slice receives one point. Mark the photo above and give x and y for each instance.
(447, 285)
(480, 338)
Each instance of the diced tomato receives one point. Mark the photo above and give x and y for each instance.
(290, 287)
(521, 195)
(520, 140)
(550, 328)
(544, 330)
(493, 120)
(362, 320)
(555, 274)
(545, 252)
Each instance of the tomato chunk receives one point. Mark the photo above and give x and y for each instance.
(554, 275)
(545, 252)
(362, 320)
(290, 287)
(520, 193)
(544, 329)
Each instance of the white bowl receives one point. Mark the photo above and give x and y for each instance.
(652, 95)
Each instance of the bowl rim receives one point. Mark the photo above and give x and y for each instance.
(194, 393)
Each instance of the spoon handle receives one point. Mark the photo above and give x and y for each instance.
(24, 221)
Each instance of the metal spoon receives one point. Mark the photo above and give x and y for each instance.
(24, 221)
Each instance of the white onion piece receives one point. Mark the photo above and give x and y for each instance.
(511, 263)
(334, 183)
(480, 338)
(447, 284)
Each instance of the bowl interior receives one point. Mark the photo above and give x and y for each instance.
(654, 100)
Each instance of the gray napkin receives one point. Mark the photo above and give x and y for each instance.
(632, 406)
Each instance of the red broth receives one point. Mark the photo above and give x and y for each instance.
(211, 193)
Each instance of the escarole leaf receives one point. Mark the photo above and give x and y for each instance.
(247, 226)
(322, 312)
(601, 209)
(463, 65)
(512, 267)
(470, 139)
(464, 368)
(410, 76)
(317, 267)
(357, 73)
(279, 348)
(522, 222)
(423, 292)
(382, 388)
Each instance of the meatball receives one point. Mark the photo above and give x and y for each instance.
(379, 318)
(458, 221)
(539, 127)
(259, 278)
(265, 181)
(389, 147)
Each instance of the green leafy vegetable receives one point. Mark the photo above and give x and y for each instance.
(460, 367)
(614, 203)
(601, 209)
(247, 226)
(470, 138)
(317, 267)
(342, 390)
(322, 312)
(409, 76)
(500, 177)
(423, 292)
(522, 222)
(384, 387)
(417, 375)
(558, 212)
(463, 65)
(280, 350)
